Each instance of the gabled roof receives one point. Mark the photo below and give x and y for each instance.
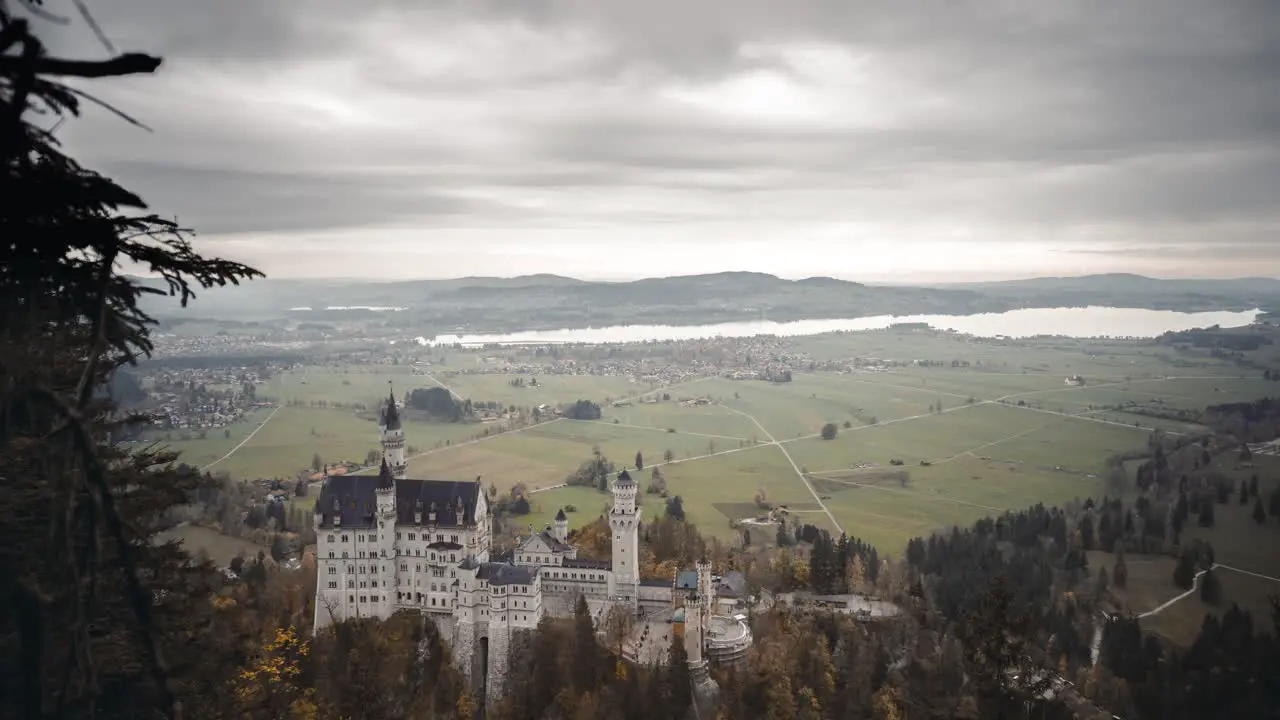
(547, 539)
(623, 480)
(560, 517)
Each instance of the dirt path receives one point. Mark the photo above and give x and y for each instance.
(241, 444)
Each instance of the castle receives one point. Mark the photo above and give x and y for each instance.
(391, 543)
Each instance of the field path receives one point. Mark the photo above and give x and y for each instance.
(249, 437)
(773, 441)
(433, 379)
(662, 430)
(1216, 566)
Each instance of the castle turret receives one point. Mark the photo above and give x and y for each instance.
(392, 437)
(386, 491)
(562, 526)
(624, 520)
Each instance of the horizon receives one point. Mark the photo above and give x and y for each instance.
(912, 143)
(587, 279)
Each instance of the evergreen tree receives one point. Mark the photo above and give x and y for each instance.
(1120, 573)
(1206, 514)
(97, 620)
(640, 461)
(1210, 587)
(1184, 575)
(586, 651)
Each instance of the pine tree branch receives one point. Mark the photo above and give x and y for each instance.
(126, 64)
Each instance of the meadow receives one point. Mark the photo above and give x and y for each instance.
(1004, 432)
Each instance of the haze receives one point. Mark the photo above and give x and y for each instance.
(907, 141)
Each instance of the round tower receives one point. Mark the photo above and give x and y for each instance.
(624, 521)
(392, 437)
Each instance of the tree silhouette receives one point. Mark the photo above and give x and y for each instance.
(82, 621)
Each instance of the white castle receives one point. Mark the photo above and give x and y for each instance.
(390, 543)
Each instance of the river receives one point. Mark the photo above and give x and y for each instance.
(1085, 322)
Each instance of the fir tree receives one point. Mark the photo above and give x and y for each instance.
(97, 619)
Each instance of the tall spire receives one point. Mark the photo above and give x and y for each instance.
(386, 481)
(391, 416)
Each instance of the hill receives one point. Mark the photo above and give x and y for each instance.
(552, 301)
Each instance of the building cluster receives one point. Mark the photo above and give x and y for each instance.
(390, 543)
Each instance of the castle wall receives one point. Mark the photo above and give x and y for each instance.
(499, 661)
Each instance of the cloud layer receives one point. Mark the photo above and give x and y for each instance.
(941, 139)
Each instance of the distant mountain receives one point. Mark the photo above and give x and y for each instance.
(552, 301)
(1128, 290)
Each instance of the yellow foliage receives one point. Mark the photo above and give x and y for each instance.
(620, 670)
(885, 704)
(800, 571)
(466, 706)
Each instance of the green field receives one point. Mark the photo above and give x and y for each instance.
(984, 452)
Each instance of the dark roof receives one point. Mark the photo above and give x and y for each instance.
(553, 542)
(356, 496)
(560, 516)
(444, 546)
(733, 583)
(506, 574)
(385, 480)
(687, 579)
(624, 478)
(391, 416)
(655, 583)
(587, 564)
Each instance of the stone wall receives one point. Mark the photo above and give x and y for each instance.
(499, 662)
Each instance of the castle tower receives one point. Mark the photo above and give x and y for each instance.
(706, 591)
(624, 521)
(385, 562)
(392, 438)
(562, 526)
(693, 629)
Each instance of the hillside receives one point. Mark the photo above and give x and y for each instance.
(552, 301)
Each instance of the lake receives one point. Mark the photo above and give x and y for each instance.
(1085, 322)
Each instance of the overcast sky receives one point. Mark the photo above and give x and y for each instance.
(905, 140)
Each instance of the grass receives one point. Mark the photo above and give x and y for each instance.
(551, 389)
(589, 504)
(216, 443)
(984, 456)
(220, 548)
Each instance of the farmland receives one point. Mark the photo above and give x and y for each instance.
(916, 448)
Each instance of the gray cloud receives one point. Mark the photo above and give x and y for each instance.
(1103, 124)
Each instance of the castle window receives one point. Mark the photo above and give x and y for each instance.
(397, 536)
(453, 557)
(363, 598)
(417, 568)
(433, 556)
(412, 536)
(453, 538)
(351, 584)
(344, 554)
(351, 568)
(333, 570)
(344, 538)
(351, 598)
(329, 538)
(404, 567)
(440, 537)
